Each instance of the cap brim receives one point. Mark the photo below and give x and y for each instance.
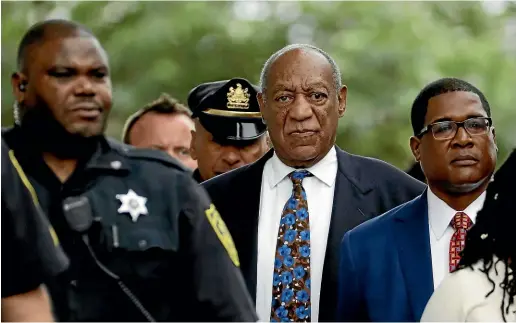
(231, 129)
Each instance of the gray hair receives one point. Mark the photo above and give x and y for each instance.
(337, 78)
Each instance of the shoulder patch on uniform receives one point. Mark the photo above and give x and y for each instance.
(222, 233)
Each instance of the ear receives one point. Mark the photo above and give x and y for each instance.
(18, 80)
(415, 143)
(493, 133)
(193, 151)
(342, 96)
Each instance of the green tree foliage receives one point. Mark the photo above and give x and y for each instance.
(387, 52)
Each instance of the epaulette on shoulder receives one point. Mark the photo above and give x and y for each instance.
(152, 155)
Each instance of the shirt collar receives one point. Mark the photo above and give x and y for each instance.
(325, 170)
(441, 214)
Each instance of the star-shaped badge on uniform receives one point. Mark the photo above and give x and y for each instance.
(133, 204)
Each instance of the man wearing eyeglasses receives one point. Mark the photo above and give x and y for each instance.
(390, 265)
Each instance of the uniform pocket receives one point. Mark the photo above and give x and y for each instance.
(142, 239)
(144, 254)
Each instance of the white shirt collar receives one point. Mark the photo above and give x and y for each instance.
(440, 214)
(325, 170)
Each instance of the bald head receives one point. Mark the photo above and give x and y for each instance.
(301, 101)
(337, 78)
(47, 30)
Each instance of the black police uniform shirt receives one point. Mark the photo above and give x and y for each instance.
(196, 175)
(153, 226)
(30, 248)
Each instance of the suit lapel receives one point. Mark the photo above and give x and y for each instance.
(346, 214)
(246, 214)
(412, 238)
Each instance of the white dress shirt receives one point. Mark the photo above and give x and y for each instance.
(462, 297)
(276, 190)
(440, 215)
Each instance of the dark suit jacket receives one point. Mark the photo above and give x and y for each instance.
(364, 188)
(386, 267)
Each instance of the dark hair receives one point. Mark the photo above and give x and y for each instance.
(337, 78)
(37, 33)
(493, 233)
(165, 104)
(444, 85)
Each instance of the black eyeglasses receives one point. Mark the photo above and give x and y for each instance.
(444, 130)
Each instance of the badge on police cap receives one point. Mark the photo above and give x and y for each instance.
(238, 98)
(133, 204)
(228, 109)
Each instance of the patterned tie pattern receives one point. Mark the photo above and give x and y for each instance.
(291, 282)
(461, 223)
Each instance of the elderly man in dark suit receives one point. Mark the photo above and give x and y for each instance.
(289, 210)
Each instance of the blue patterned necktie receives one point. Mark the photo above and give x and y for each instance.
(291, 280)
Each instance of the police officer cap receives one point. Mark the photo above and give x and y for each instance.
(228, 109)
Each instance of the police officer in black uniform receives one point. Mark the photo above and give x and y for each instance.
(144, 240)
(30, 248)
(229, 130)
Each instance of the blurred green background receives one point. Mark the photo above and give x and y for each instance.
(387, 52)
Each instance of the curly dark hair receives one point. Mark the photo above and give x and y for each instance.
(493, 233)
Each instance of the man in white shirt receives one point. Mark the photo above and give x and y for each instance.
(288, 211)
(483, 287)
(391, 264)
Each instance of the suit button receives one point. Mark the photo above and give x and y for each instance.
(142, 244)
(73, 283)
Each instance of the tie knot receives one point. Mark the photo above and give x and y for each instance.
(461, 221)
(298, 176)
